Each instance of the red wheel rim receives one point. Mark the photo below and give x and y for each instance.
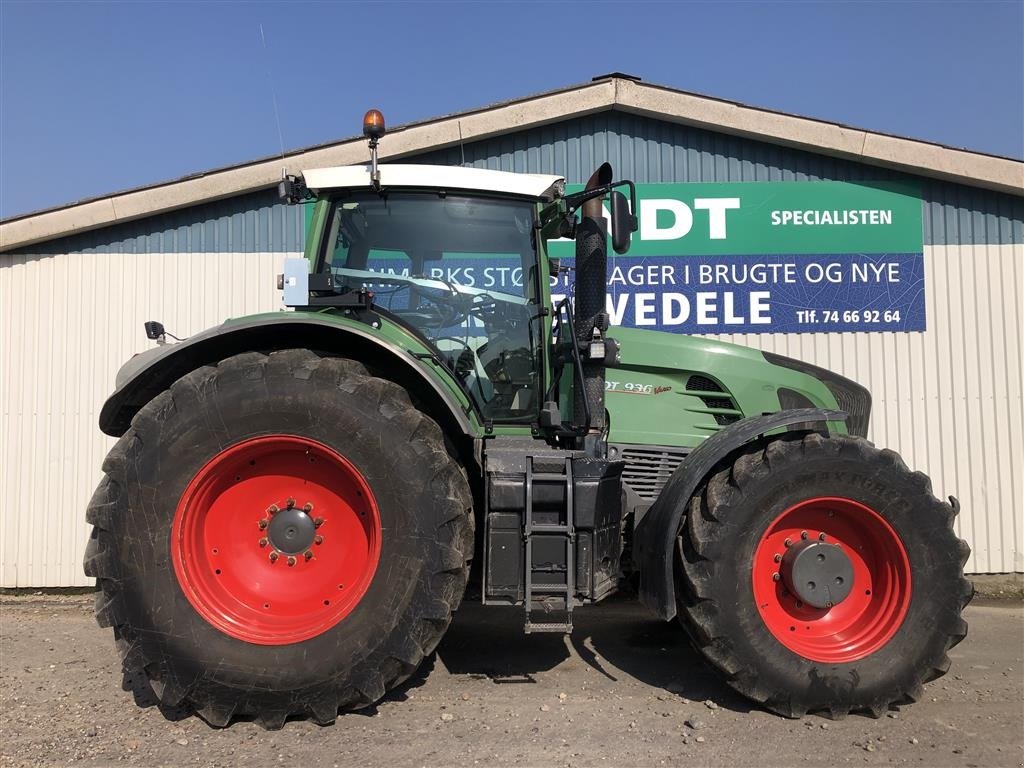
(869, 616)
(276, 583)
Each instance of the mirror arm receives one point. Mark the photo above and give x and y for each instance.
(577, 199)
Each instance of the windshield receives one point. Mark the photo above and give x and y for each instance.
(461, 272)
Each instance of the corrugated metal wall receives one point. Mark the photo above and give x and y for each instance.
(253, 223)
(652, 151)
(949, 399)
(641, 149)
(67, 323)
(71, 312)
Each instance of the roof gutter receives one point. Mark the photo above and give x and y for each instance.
(919, 158)
(626, 94)
(216, 185)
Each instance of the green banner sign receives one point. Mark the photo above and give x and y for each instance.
(778, 257)
(774, 217)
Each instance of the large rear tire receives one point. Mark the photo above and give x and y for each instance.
(279, 535)
(761, 537)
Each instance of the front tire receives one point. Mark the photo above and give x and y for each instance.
(861, 513)
(279, 535)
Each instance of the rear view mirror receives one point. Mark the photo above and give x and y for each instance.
(623, 222)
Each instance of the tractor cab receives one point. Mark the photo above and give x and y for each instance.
(455, 263)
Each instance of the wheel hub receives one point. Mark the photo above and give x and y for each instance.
(283, 573)
(291, 531)
(846, 621)
(818, 573)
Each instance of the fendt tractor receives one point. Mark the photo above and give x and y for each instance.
(298, 499)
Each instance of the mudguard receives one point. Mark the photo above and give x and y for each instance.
(657, 531)
(148, 374)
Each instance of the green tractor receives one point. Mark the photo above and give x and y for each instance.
(298, 499)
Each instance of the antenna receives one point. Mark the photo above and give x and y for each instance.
(273, 91)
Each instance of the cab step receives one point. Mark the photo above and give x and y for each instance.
(541, 594)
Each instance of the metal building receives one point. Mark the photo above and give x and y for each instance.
(77, 283)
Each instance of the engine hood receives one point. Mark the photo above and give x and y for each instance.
(691, 387)
(657, 349)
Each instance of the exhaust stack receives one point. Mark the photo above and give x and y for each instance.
(589, 312)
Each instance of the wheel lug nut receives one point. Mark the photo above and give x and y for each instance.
(273, 557)
(778, 558)
(788, 542)
(318, 522)
(308, 554)
(803, 535)
(272, 509)
(821, 537)
(318, 540)
(291, 560)
(262, 524)
(264, 541)
(776, 577)
(290, 502)
(307, 508)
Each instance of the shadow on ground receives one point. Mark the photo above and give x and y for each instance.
(618, 638)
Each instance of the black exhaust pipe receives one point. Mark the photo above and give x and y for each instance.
(591, 288)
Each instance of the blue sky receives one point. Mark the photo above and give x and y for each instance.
(98, 97)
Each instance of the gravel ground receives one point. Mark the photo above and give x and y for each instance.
(625, 691)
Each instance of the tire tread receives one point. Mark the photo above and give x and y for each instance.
(701, 549)
(216, 704)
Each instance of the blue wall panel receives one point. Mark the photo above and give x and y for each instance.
(641, 148)
(649, 150)
(251, 223)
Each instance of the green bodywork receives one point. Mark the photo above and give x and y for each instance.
(646, 396)
(404, 344)
(658, 409)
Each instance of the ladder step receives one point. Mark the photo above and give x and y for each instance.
(550, 589)
(548, 477)
(549, 598)
(549, 603)
(548, 627)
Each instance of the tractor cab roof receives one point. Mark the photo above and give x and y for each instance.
(535, 185)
